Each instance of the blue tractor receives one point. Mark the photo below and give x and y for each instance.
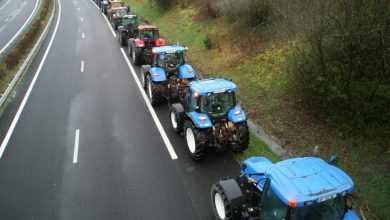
(168, 76)
(209, 117)
(304, 188)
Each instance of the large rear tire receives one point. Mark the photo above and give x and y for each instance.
(243, 138)
(136, 55)
(221, 205)
(196, 141)
(152, 91)
(123, 39)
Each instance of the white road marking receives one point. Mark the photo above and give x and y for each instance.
(21, 29)
(151, 110)
(82, 66)
(82, 35)
(6, 20)
(4, 4)
(76, 146)
(78, 9)
(94, 4)
(112, 31)
(82, 19)
(21, 107)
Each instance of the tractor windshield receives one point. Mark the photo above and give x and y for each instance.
(332, 209)
(130, 22)
(116, 4)
(120, 12)
(273, 208)
(170, 60)
(217, 104)
(149, 34)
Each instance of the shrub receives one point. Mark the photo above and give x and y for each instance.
(209, 44)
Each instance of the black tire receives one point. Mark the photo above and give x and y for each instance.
(142, 76)
(152, 91)
(243, 138)
(196, 141)
(136, 55)
(227, 212)
(123, 39)
(176, 121)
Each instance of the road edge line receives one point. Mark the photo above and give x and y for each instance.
(160, 128)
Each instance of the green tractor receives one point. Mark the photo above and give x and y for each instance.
(127, 28)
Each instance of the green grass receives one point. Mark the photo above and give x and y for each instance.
(260, 69)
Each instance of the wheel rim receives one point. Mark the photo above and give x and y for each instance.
(219, 205)
(173, 120)
(190, 140)
(150, 89)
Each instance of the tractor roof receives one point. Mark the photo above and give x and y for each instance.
(142, 27)
(168, 49)
(118, 8)
(212, 86)
(304, 179)
(113, 1)
(130, 16)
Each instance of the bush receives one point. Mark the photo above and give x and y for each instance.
(3, 70)
(12, 59)
(209, 44)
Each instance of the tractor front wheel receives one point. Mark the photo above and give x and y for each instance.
(243, 138)
(123, 39)
(221, 205)
(152, 90)
(176, 124)
(196, 140)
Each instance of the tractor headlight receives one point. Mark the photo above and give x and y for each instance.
(230, 124)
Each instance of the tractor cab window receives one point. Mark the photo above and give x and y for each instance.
(330, 209)
(130, 22)
(192, 102)
(217, 104)
(272, 208)
(148, 34)
(170, 60)
(120, 12)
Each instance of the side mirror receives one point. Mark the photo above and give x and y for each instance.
(333, 160)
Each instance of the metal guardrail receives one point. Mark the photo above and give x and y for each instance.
(28, 59)
(26, 26)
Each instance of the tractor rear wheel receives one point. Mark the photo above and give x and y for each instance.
(123, 40)
(176, 124)
(221, 205)
(136, 55)
(243, 138)
(196, 139)
(152, 91)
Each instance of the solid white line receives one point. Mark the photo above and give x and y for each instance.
(94, 4)
(76, 146)
(4, 5)
(82, 66)
(21, 107)
(82, 35)
(112, 31)
(151, 110)
(21, 29)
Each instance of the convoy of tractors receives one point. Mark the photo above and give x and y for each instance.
(206, 113)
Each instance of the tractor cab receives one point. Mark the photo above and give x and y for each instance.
(129, 24)
(170, 59)
(296, 189)
(216, 99)
(119, 12)
(116, 3)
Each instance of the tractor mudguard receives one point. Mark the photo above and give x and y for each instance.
(200, 120)
(146, 68)
(139, 43)
(237, 115)
(256, 165)
(186, 72)
(234, 195)
(178, 107)
(351, 215)
(158, 74)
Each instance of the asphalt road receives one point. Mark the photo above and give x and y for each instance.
(14, 15)
(86, 98)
